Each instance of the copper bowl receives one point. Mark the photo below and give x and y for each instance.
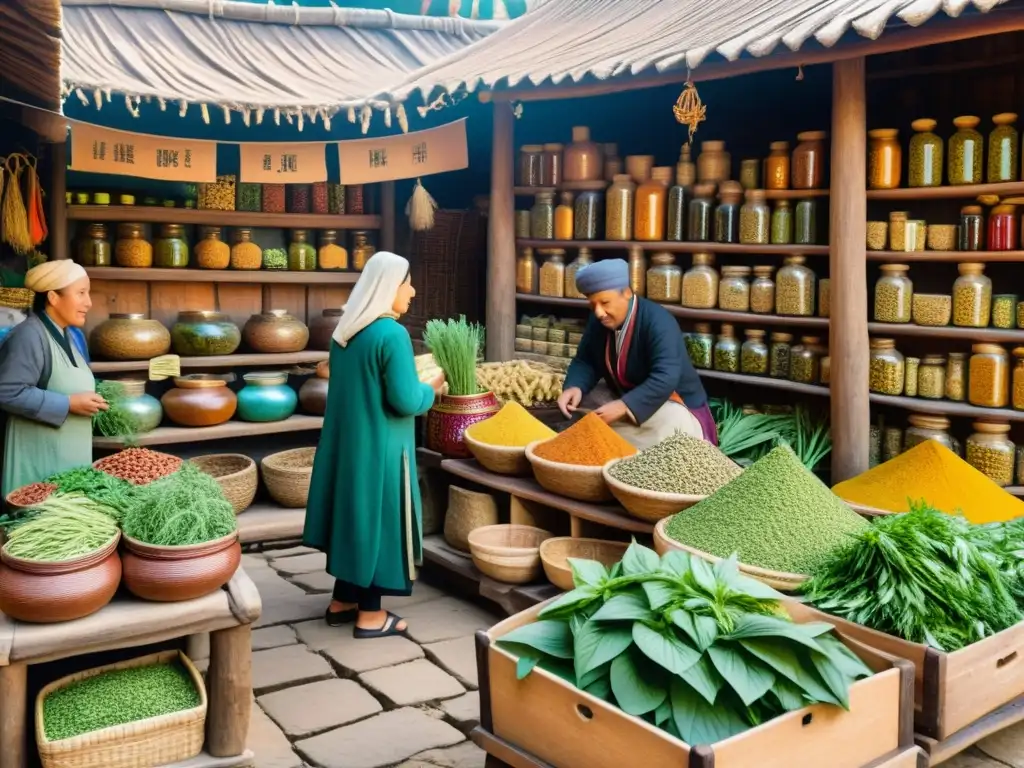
(173, 574)
(451, 416)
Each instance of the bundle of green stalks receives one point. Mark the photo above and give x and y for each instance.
(455, 345)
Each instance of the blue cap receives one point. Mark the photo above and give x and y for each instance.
(606, 275)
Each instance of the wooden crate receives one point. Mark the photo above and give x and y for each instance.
(564, 727)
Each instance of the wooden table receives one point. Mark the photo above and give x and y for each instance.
(226, 614)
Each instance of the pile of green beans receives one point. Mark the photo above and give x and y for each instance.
(62, 528)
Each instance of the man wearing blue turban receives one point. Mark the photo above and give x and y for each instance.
(636, 346)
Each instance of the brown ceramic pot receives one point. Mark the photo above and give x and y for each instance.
(321, 330)
(129, 337)
(45, 593)
(173, 574)
(199, 400)
(275, 332)
(313, 395)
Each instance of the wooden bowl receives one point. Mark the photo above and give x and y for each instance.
(508, 553)
(650, 506)
(570, 480)
(555, 554)
(780, 580)
(501, 459)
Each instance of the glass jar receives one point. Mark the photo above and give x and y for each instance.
(1020, 463)
(245, 254)
(755, 216)
(301, 253)
(678, 200)
(754, 354)
(686, 169)
(762, 291)
(582, 160)
(700, 345)
(782, 223)
(1017, 399)
(972, 296)
(638, 270)
(990, 451)
(713, 162)
(131, 249)
(894, 294)
(1002, 228)
(910, 376)
(805, 230)
(583, 259)
(808, 166)
(776, 166)
(898, 231)
(824, 297)
(750, 173)
(964, 161)
(619, 209)
(989, 376)
(956, 376)
(727, 214)
(664, 279)
(171, 249)
(1002, 149)
(971, 231)
(1003, 308)
(526, 272)
(734, 289)
(330, 255)
(931, 377)
(589, 215)
(700, 283)
(794, 288)
(530, 161)
(552, 273)
(727, 351)
(825, 370)
(884, 158)
(211, 251)
(651, 206)
(779, 355)
(874, 446)
(551, 165)
(892, 443)
(923, 427)
(639, 167)
(701, 212)
(522, 224)
(565, 217)
(93, 247)
(362, 250)
(298, 198)
(804, 361)
(886, 368)
(925, 155)
(542, 216)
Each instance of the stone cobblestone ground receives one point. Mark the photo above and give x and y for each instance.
(325, 700)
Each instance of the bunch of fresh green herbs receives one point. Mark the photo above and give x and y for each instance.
(108, 490)
(455, 345)
(59, 528)
(746, 437)
(700, 651)
(116, 421)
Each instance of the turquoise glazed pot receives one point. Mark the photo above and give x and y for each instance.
(145, 408)
(266, 397)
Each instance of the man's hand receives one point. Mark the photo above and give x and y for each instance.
(569, 401)
(612, 412)
(87, 404)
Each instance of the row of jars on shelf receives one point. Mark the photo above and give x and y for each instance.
(320, 197)
(901, 233)
(170, 249)
(760, 354)
(657, 211)
(965, 158)
(971, 304)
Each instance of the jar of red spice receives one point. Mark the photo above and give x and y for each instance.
(320, 202)
(354, 199)
(1002, 228)
(273, 198)
(299, 198)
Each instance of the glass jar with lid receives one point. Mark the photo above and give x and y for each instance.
(925, 155)
(1003, 310)
(700, 283)
(805, 227)
(804, 360)
(924, 427)
(245, 254)
(931, 377)
(678, 200)
(664, 279)
(552, 273)
(988, 376)
(651, 205)
(750, 173)
(699, 224)
(583, 159)
(542, 216)
(808, 165)
(362, 250)
(551, 165)
(132, 249)
(637, 270)
(734, 289)
(93, 247)
(713, 162)
(1003, 143)
(956, 376)
(301, 253)
(886, 368)
(583, 259)
(971, 232)
(990, 451)
(972, 296)
(782, 223)
(884, 158)
(1002, 228)
(824, 297)
(565, 216)
(794, 288)
(779, 355)
(966, 146)
(330, 255)
(762, 291)
(530, 161)
(755, 218)
(619, 208)
(894, 294)
(727, 214)
(700, 345)
(754, 354)
(527, 276)
(589, 216)
(776, 166)
(911, 373)
(211, 251)
(1017, 399)
(727, 350)
(171, 249)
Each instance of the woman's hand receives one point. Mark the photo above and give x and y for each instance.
(87, 404)
(437, 383)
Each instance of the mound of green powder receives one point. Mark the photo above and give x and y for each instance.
(776, 515)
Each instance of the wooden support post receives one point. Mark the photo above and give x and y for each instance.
(13, 716)
(501, 241)
(848, 326)
(229, 687)
(58, 213)
(387, 216)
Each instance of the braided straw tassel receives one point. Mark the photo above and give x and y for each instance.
(420, 208)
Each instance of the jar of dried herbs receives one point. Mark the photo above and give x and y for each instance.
(925, 155)
(972, 296)
(892, 443)
(1004, 307)
(966, 148)
(754, 353)
(699, 346)
(989, 376)
(583, 259)
(804, 360)
(734, 289)
(727, 351)
(805, 230)
(273, 198)
(894, 294)
(678, 201)
(910, 377)
(551, 165)
(565, 216)
(874, 446)
(971, 231)
(245, 254)
(664, 279)
(824, 297)
(542, 216)
(619, 214)
(956, 376)
(762, 291)
(887, 369)
(529, 165)
(250, 197)
(755, 219)
(776, 166)
(750, 173)
(552, 273)
(355, 204)
(637, 270)
(131, 249)
(700, 283)
(782, 223)
(93, 247)
(1003, 144)
(794, 288)
(171, 249)
(991, 452)
(211, 251)
(931, 377)
(924, 427)
(362, 250)
(589, 215)
(522, 224)
(527, 276)
(336, 198)
(1017, 400)
(299, 198)
(779, 355)
(1020, 464)
(699, 224)
(301, 253)
(727, 214)
(331, 255)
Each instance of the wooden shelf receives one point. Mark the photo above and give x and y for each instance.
(566, 186)
(226, 431)
(217, 361)
(952, 256)
(152, 214)
(765, 381)
(795, 194)
(266, 521)
(961, 192)
(947, 408)
(971, 335)
(279, 276)
(675, 246)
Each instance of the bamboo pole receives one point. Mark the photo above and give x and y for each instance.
(848, 325)
(501, 241)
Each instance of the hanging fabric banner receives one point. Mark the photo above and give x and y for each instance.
(404, 156)
(281, 163)
(104, 150)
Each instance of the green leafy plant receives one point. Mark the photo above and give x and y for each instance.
(700, 651)
(455, 345)
(116, 421)
(746, 437)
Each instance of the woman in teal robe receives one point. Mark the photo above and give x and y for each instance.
(364, 502)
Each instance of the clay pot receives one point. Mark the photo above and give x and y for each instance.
(451, 416)
(199, 400)
(130, 337)
(321, 330)
(45, 593)
(143, 407)
(313, 395)
(266, 397)
(173, 574)
(275, 332)
(199, 333)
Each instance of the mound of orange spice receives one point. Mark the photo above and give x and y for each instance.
(588, 443)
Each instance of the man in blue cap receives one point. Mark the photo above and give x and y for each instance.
(636, 346)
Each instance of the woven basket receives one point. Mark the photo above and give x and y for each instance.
(158, 740)
(502, 459)
(236, 475)
(780, 580)
(17, 298)
(287, 475)
(508, 553)
(650, 506)
(555, 554)
(570, 480)
(467, 511)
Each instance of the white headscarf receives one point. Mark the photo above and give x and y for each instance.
(373, 295)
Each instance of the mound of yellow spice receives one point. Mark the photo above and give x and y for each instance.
(932, 472)
(512, 427)
(589, 443)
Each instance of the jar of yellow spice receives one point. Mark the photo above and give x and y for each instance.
(1017, 399)
(989, 376)
(211, 251)
(990, 451)
(132, 249)
(245, 254)
(331, 255)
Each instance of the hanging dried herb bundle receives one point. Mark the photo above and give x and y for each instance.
(37, 229)
(15, 216)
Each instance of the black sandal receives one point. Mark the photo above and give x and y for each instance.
(339, 618)
(389, 629)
